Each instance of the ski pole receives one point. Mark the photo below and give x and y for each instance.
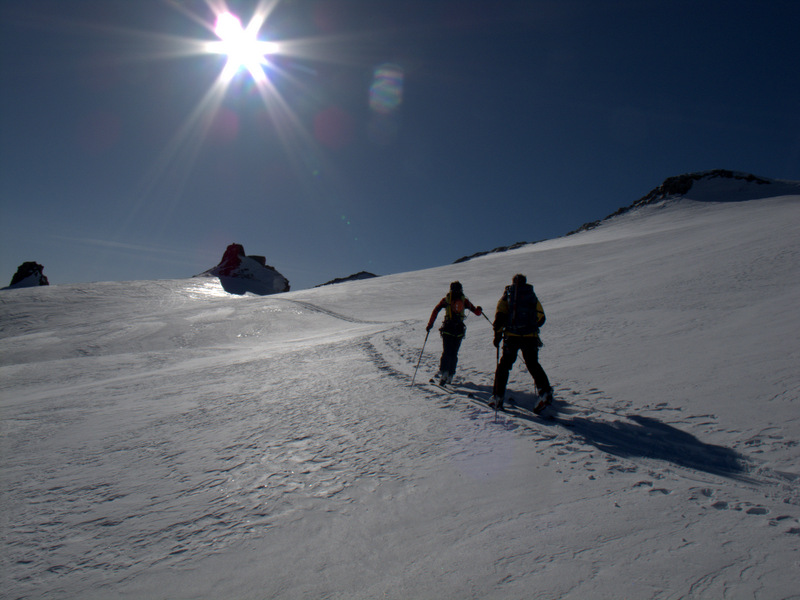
(483, 314)
(427, 333)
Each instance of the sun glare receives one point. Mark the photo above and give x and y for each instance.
(244, 55)
(228, 27)
(241, 46)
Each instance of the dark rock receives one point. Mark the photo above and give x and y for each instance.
(231, 260)
(356, 277)
(29, 274)
(498, 249)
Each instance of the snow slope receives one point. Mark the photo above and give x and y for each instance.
(165, 439)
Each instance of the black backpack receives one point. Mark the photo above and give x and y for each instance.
(523, 318)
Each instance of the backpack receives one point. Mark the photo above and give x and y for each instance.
(523, 318)
(455, 307)
(454, 316)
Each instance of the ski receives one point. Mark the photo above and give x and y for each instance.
(466, 390)
(453, 388)
(513, 408)
(442, 386)
(538, 410)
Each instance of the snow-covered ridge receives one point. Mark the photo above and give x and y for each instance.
(708, 186)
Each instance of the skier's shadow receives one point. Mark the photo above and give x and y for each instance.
(645, 437)
(635, 436)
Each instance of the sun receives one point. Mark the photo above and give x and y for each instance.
(245, 55)
(241, 46)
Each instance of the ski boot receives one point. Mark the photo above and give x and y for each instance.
(544, 401)
(496, 402)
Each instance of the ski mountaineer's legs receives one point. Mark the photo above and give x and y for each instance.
(530, 353)
(450, 346)
(510, 349)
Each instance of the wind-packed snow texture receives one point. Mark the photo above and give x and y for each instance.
(164, 439)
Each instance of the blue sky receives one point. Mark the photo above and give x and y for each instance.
(389, 137)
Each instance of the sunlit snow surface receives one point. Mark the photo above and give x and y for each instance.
(164, 439)
(205, 288)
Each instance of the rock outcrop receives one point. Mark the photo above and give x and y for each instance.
(29, 274)
(240, 274)
(355, 277)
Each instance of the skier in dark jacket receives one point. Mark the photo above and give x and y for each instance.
(517, 320)
(453, 328)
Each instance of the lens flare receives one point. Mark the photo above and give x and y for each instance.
(385, 98)
(386, 91)
(334, 128)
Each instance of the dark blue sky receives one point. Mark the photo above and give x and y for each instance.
(393, 136)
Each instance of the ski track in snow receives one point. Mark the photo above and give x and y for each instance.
(578, 421)
(627, 443)
(593, 434)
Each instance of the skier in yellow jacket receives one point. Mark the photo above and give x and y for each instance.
(517, 320)
(453, 328)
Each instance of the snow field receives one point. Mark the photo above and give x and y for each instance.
(166, 440)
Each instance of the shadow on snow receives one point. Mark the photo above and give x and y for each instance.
(649, 438)
(633, 436)
(240, 286)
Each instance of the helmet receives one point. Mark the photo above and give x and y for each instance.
(519, 279)
(456, 287)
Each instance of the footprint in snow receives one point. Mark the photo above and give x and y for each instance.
(757, 510)
(752, 510)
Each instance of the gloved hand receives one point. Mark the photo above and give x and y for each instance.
(498, 335)
(479, 311)
(429, 327)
